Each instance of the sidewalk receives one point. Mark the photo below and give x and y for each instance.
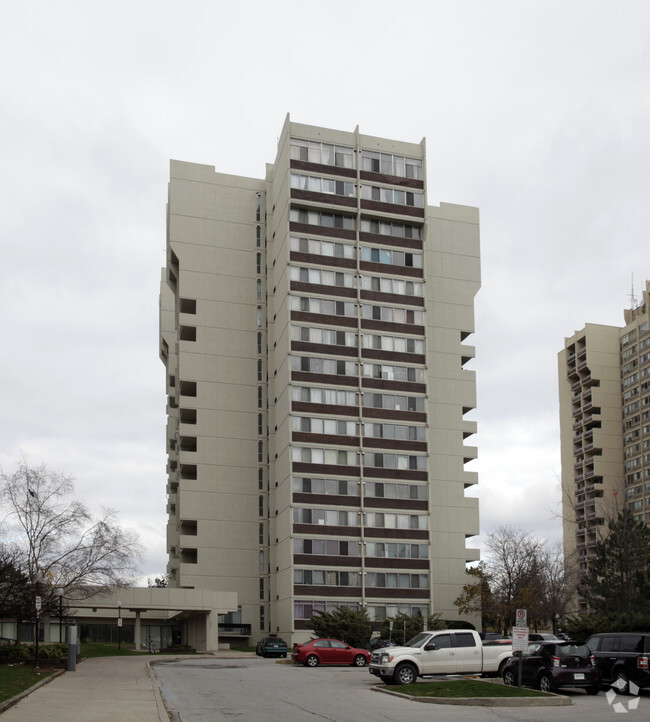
(104, 689)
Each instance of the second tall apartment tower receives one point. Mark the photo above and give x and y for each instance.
(314, 330)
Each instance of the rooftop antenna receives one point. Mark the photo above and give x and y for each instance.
(633, 301)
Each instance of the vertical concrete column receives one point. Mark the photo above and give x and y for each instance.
(136, 631)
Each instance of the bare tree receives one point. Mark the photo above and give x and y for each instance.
(558, 582)
(56, 541)
(514, 565)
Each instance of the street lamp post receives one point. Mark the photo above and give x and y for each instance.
(59, 592)
(119, 625)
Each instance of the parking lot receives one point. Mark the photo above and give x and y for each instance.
(252, 689)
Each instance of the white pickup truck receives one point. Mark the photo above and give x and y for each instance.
(446, 651)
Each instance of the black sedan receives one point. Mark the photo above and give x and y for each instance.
(271, 647)
(550, 666)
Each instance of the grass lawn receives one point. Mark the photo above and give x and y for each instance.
(462, 688)
(16, 678)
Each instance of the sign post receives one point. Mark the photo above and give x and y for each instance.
(520, 639)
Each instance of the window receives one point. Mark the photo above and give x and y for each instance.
(322, 218)
(390, 164)
(322, 277)
(393, 195)
(322, 185)
(322, 248)
(187, 305)
(386, 228)
(322, 153)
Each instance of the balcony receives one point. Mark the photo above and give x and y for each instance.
(229, 629)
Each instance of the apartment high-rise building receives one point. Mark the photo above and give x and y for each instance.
(313, 328)
(604, 374)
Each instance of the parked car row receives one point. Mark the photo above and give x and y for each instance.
(614, 659)
(550, 664)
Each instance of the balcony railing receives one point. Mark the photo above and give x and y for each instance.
(234, 630)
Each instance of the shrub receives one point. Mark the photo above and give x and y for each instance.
(53, 651)
(13, 653)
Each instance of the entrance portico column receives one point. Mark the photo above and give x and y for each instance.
(136, 631)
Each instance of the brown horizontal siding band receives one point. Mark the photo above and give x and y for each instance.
(325, 560)
(392, 269)
(396, 444)
(299, 257)
(324, 530)
(309, 408)
(415, 535)
(392, 208)
(391, 298)
(374, 353)
(408, 386)
(325, 318)
(302, 467)
(328, 198)
(311, 590)
(394, 180)
(381, 239)
(308, 437)
(321, 168)
(373, 324)
(396, 593)
(304, 287)
(326, 499)
(407, 416)
(372, 472)
(311, 378)
(322, 231)
(398, 504)
(395, 564)
(324, 348)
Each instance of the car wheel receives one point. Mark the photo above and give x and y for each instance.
(509, 678)
(405, 674)
(311, 661)
(359, 661)
(593, 690)
(545, 683)
(622, 681)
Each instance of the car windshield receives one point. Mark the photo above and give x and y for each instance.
(572, 650)
(418, 640)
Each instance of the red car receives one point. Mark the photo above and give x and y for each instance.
(329, 651)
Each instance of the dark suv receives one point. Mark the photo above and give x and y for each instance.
(622, 658)
(550, 666)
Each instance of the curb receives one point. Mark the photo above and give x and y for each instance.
(552, 700)
(14, 700)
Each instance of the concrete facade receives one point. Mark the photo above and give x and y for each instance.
(604, 386)
(313, 325)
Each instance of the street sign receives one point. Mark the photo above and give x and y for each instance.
(38, 604)
(119, 621)
(519, 639)
(521, 618)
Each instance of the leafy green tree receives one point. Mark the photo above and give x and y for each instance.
(406, 626)
(351, 626)
(476, 597)
(618, 579)
(582, 626)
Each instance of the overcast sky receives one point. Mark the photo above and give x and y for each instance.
(536, 112)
